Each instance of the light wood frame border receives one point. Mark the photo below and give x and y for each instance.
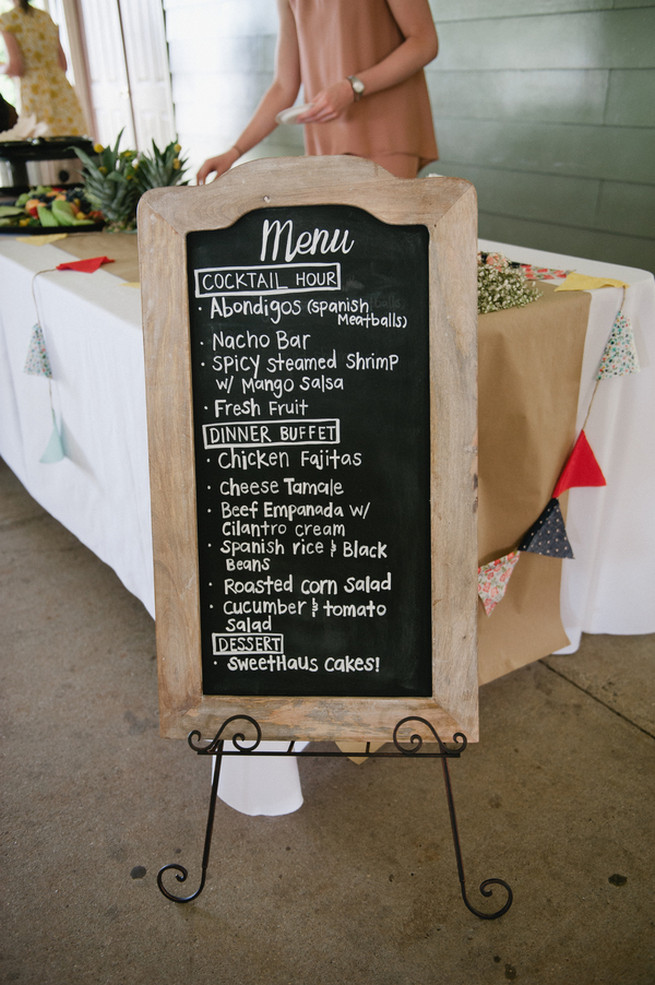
(447, 207)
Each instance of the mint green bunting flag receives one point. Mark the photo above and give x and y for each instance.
(55, 449)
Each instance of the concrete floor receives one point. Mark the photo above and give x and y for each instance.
(359, 887)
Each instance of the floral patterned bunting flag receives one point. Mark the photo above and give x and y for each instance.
(548, 534)
(493, 579)
(533, 272)
(581, 468)
(37, 362)
(620, 354)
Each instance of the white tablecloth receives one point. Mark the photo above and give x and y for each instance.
(92, 329)
(100, 491)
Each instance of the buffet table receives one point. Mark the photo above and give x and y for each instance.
(100, 489)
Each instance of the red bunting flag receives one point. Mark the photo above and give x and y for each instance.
(86, 266)
(581, 469)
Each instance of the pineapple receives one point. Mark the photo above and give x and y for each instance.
(161, 168)
(110, 184)
(114, 181)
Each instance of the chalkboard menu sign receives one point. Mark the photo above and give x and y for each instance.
(309, 353)
(311, 401)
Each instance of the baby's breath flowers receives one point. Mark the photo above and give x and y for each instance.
(502, 284)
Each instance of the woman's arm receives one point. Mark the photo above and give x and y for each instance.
(61, 57)
(281, 94)
(15, 65)
(420, 46)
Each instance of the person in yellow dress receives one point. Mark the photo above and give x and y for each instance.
(38, 63)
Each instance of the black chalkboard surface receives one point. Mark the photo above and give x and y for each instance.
(309, 342)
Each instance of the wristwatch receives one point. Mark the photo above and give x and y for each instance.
(358, 87)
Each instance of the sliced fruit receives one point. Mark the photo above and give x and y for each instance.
(46, 218)
(63, 212)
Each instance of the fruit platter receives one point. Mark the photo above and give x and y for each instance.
(47, 209)
(112, 182)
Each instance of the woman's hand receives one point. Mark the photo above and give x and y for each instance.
(329, 103)
(220, 164)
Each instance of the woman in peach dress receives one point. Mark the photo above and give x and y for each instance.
(360, 63)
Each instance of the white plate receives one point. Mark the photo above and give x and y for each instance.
(291, 115)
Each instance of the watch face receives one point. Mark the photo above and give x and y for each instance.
(358, 86)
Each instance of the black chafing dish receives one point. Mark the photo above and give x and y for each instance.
(25, 164)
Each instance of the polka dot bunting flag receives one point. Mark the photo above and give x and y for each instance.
(548, 535)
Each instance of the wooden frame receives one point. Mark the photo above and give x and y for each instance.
(447, 208)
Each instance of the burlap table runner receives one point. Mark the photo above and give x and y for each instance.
(529, 361)
(529, 375)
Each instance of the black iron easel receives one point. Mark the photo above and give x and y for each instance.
(412, 746)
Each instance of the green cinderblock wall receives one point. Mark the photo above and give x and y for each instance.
(548, 107)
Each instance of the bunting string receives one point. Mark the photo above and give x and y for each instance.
(38, 363)
(547, 535)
